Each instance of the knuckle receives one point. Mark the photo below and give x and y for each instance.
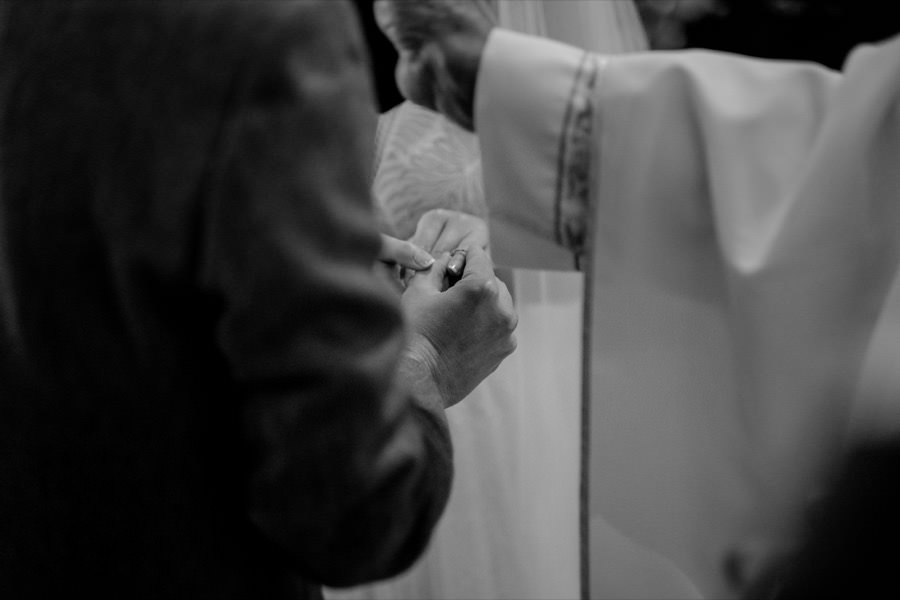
(489, 289)
(511, 321)
(511, 344)
(470, 291)
(479, 291)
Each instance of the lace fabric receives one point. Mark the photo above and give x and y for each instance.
(423, 161)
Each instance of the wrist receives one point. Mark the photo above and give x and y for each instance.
(424, 367)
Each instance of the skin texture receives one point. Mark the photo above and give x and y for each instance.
(476, 312)
(442, 230)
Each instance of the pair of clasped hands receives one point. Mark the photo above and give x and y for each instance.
(460, 315)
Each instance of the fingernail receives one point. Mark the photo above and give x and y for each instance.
(455, 266)
(423, 259)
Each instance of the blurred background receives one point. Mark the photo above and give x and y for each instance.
(823, 31)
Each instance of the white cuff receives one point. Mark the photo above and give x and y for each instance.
(524, 90)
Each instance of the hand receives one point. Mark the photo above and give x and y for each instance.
(443, 230)
(440, 43)
(399, 259)
(460, 334)
(404, 254)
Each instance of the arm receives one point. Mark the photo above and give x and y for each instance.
(350, 458)
(560, 128)
(745, 210)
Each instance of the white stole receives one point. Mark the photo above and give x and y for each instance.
(744, 235)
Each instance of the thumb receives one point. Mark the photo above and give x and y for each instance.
(478, 264)
(431, 279)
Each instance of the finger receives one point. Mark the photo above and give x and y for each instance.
(431, 279)
(452, 237)
(408, 26)
(405, 254)
(414, 81)
(462, 231)
(384, 17)
(457, 263)
(478, 265)
(429, 230)
(406, 23)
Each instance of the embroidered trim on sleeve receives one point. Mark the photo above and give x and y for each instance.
(575, 161)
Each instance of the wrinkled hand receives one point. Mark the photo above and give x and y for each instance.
(440, 43)
(443, 230)
(461, 334)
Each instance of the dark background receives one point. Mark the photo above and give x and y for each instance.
(823, 31)
(383, 57)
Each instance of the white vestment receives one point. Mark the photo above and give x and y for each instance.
(738, 223)
(511, 529)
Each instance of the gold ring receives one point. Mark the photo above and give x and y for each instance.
(459, 251)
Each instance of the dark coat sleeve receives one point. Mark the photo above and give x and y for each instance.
(349, 468)
(185, 194)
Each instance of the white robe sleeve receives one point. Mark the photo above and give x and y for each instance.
(530, 92)
(740, 219)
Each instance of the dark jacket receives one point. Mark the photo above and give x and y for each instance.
(198, 378)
